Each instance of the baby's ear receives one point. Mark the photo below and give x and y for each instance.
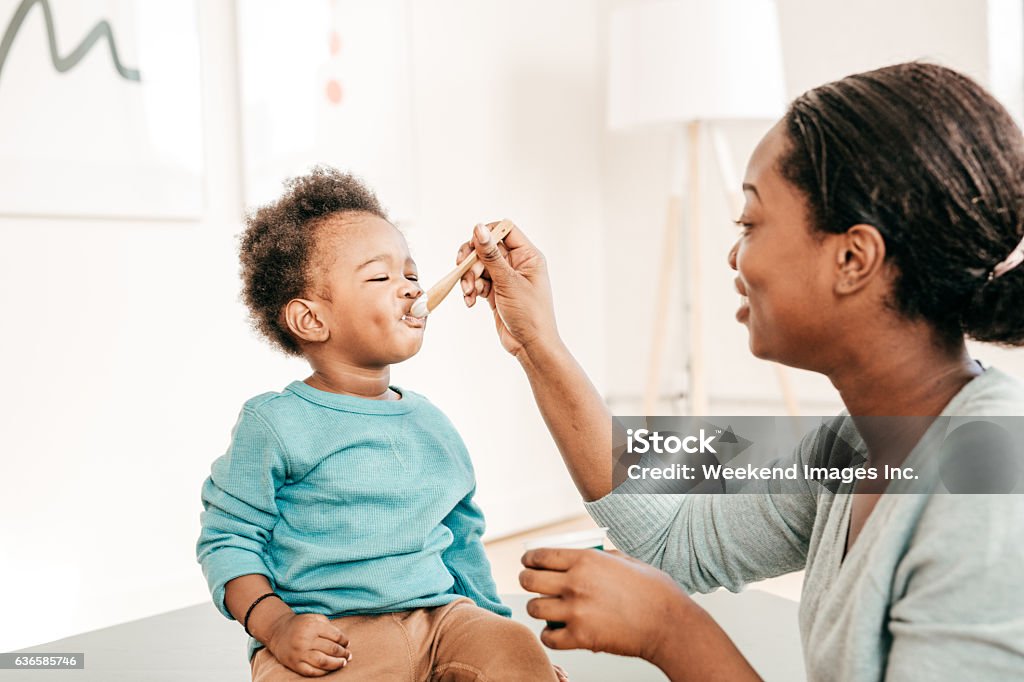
(306, 320)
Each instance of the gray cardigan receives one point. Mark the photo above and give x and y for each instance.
(932, 589)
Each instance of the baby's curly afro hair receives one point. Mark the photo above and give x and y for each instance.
(278, 246)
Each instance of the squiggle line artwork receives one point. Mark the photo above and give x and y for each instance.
(62, 64)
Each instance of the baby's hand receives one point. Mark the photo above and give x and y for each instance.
(560, 673)
(309, 644)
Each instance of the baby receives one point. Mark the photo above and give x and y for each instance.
(341, 520)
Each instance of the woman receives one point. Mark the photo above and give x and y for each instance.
(883, 223)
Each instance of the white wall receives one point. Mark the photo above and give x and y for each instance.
(127, 357)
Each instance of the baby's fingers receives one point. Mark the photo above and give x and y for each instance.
(333, 633)
(323, 663)
(332, 648)
(307, 670)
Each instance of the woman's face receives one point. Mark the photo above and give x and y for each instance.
(784, 274)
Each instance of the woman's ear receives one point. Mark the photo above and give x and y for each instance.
(859, 258)
(306, 320)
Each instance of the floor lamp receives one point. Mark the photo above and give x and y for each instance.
(687, 64)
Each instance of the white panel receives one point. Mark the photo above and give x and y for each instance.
(97, 140)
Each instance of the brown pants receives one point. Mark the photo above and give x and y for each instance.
(452, 643)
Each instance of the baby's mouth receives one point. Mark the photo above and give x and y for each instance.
(414, 322)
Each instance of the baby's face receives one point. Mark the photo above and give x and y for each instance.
(364, 267)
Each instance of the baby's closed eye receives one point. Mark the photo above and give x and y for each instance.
(385, 278)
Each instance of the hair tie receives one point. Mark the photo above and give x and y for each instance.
(1015, 258)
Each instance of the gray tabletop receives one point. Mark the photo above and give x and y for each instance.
(198, 643)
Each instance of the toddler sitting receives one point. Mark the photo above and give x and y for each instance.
(339, 527)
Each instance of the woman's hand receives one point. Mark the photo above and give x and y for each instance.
(513, 277)
(309, 644)
(608, 601)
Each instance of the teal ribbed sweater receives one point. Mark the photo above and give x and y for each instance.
(347, 505)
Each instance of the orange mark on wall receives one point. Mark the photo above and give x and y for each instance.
(335, 43)
(334, 91)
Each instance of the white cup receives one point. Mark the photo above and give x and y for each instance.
(593, 538)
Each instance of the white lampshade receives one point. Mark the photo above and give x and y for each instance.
(685, 60)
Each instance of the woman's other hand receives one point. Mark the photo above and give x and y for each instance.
(512, 275)
(614, 603)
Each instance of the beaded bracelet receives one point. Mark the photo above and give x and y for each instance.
(245, 623)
